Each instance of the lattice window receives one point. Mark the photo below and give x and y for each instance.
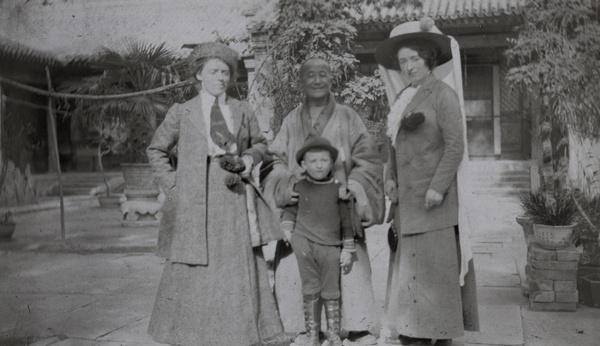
(478, 84)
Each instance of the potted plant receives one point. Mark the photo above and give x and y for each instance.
(553, 217)
(7, 226)
(139, 68)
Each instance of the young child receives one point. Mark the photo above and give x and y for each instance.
(315, 228)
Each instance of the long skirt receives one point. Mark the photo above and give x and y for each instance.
(358, 303)
(423, 298)
(227, 302)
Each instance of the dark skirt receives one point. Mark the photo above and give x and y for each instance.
(227, 302)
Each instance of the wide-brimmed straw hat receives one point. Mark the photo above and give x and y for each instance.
(212, 50)
(386, 53)
(316, 143)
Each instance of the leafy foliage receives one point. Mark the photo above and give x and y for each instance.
(557, 209)
(587, 233)
(557, 52)
(141, 67)
(366, 94)
(305, 29)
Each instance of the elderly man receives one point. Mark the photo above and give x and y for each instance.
(360, 171)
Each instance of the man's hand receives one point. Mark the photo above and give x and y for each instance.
(432, 199)
(391, 190)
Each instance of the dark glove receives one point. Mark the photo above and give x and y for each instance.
(412, 121)
(232, 180)
(392, 238)
(232, 163)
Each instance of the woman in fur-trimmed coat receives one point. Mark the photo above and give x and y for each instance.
(431, 292)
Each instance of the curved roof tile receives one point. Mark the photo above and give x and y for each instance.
(376, 11)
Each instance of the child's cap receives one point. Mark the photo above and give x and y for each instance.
(316, 143)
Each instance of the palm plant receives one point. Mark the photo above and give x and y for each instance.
(141, 67)
(558, 209)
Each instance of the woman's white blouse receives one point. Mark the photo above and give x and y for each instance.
(207, 102)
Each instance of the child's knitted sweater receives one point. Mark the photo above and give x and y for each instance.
(320, 214)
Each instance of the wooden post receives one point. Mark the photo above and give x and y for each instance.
(1, 115)
(54, 143)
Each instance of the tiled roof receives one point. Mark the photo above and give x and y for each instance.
(381, 11)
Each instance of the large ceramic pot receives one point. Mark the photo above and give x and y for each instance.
(553, 237)
(139, 176)
(590, 290)
(112, 201)
(588, 285)
(142, 206)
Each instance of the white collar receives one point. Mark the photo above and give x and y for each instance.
(210, 99)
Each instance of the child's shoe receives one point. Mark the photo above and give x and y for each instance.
(332, 311)
(312, 321)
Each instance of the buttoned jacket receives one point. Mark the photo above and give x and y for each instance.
(428, 158)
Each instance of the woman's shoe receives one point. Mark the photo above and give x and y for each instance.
(407, 340)
(362, 338)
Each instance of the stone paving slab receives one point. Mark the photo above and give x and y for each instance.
(499, 325)
(95, 320)
(20, 310)
(501, 296)
(134, 333)
(581, 328)
(496, 272)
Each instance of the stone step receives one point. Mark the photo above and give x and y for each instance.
(501, 191)
(73, 184)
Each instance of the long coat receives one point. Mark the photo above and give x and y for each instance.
(185, 207)
(424, 296)
(215, 288)
(428, 158)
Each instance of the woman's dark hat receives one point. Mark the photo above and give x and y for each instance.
(212, 50)
(386, 53)
(316, 143)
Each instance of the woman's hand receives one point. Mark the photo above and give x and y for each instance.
(249, 163)
(432, 199)
(391, 190)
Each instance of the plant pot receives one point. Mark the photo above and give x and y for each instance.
(584, 287)
(552, 237)
(139, 176)
(112, 201)
(590, 290)
(7, 230)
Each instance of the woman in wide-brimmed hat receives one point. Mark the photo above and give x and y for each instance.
(214, 289)
(426, 130)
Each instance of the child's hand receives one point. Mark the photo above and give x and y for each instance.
(345, 259)
(287, 235)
